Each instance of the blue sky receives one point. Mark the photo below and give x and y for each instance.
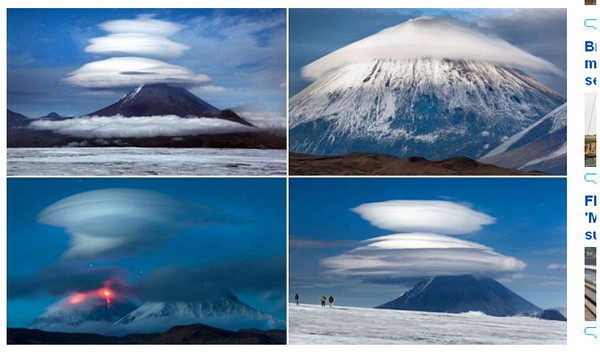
(522, 221)
(255, 233)
(242, 51)
(318, 32)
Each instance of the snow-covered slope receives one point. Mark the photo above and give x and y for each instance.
(226, 312)
(67, 316)
(542, 146)
(311, 324)
(434, 108)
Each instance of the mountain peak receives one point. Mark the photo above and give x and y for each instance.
(162, 99)
(459, 294)
(52, 115)
(156, 85)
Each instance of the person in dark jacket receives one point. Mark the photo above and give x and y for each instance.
(330, 301)
(297, 299)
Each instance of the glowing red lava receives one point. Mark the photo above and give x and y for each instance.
(107, 294)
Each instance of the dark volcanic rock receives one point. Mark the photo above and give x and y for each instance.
(189, 334)
(380, 164)
(459, 294)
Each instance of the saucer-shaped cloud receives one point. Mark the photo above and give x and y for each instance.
(423, 216)
(420, 254)
(143, 36)
(139, 127)
(429, 37)
(137, 44)
(130, 72)
(143, 24)
(113, 223)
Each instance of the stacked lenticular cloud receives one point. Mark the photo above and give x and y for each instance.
(132, 48)
(422, 249)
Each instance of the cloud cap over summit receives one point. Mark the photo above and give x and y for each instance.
(430, 37)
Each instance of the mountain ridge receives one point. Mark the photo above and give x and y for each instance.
(542, 146)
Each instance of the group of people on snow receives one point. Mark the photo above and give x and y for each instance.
(323, 300)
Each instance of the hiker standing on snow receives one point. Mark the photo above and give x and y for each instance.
(323, 300)
(330, 301)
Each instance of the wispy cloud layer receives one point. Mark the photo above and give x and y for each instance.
(184, 283)
(139, 127)
(423, 216)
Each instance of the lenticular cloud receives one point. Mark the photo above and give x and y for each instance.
(112, 223)
(418, 255)
(423, 216)
(133, 46)
(132, 71)
(424, 249)
(429, 37)
(142, 24)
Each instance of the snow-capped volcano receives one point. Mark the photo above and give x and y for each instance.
(459, 294)
(162, 100)
(226, 312)
(387, 94)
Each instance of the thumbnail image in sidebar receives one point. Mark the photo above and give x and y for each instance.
(590, 283)
(590, 129)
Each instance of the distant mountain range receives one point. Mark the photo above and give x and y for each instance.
(466, 293)
(154, 100)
